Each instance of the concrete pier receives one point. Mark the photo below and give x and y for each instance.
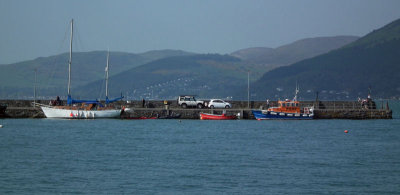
(323, 110)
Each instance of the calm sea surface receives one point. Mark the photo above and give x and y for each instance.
(45, 156)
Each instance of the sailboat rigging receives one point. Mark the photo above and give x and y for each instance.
(87, 108)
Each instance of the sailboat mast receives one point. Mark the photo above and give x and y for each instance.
(70, 58)
(108, 57)
(296, 92)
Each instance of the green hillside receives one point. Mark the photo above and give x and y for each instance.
(387, 33)
(346, 73)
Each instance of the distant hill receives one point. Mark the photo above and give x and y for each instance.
(346, 73)
(293, 52)
(160, 54)
(254, 53)
(17, 79)
(206, 75)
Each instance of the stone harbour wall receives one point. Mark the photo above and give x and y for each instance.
(323, 110)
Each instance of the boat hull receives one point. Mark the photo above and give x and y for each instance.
(266, 115)
(51, 112)
(204, 116)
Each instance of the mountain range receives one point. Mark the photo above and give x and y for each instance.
(155, 74)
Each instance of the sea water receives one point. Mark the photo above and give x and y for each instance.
(47, 156)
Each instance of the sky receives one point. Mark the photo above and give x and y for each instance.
(40, 28)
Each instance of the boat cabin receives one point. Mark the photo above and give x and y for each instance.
(286, 106)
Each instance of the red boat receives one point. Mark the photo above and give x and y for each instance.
(206, 116)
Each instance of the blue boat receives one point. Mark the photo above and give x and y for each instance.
(265, 115)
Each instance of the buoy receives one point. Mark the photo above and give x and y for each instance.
(71, 115)
(1, 126)
(346, 131)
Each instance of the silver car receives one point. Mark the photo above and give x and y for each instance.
(218, 103)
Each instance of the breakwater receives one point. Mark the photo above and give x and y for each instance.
(323, 109)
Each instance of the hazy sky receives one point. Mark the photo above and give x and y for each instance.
(39, 28)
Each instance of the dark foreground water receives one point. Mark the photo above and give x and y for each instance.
(41, 156)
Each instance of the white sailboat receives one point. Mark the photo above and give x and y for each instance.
(87, 109)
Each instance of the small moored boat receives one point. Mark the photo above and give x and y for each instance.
(288, 109)
(171, 116)
(268, 114)
(206, 116)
